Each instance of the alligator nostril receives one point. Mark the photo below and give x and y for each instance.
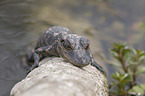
(84, 61)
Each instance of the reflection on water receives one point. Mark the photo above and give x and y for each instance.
(22, 21)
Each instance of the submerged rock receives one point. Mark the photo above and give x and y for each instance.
(55, 77)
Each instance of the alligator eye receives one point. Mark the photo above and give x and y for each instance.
(62, 41)
(85, 43)
(66, 45)
(86, 46)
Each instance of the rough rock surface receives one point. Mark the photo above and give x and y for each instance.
(55, 77)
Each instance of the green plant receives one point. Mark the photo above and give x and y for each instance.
(130, 61)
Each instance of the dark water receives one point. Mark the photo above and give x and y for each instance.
(15, 17)
(22, 21)
(12, 43)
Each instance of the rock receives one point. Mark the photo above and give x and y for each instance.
(55, 77)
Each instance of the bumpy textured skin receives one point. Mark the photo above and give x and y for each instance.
(59, 41)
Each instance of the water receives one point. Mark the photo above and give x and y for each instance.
(22, 21)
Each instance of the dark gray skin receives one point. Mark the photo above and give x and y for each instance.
(59, 41)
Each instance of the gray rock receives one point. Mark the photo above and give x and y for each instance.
(55, 77)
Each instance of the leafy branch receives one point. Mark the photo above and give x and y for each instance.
(131, 61)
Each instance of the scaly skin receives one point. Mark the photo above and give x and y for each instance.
(59, 41)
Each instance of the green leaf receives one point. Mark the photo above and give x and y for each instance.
(114, 50)
(118, 46)
(140, 70)
(134, 51)
(142, 86)
(137, 90)
(137, 51)
(132, 61)
(141, 56)
(125, 77)
(126, 51)
(114, 75)
(121, 78)
(114, 54)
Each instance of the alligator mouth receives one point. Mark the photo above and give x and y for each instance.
(65, 56)
(75, 63)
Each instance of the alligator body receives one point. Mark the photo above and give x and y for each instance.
(59, 41)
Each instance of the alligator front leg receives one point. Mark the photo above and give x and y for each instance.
(37, 52)
(93, 63)
(36, 60)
